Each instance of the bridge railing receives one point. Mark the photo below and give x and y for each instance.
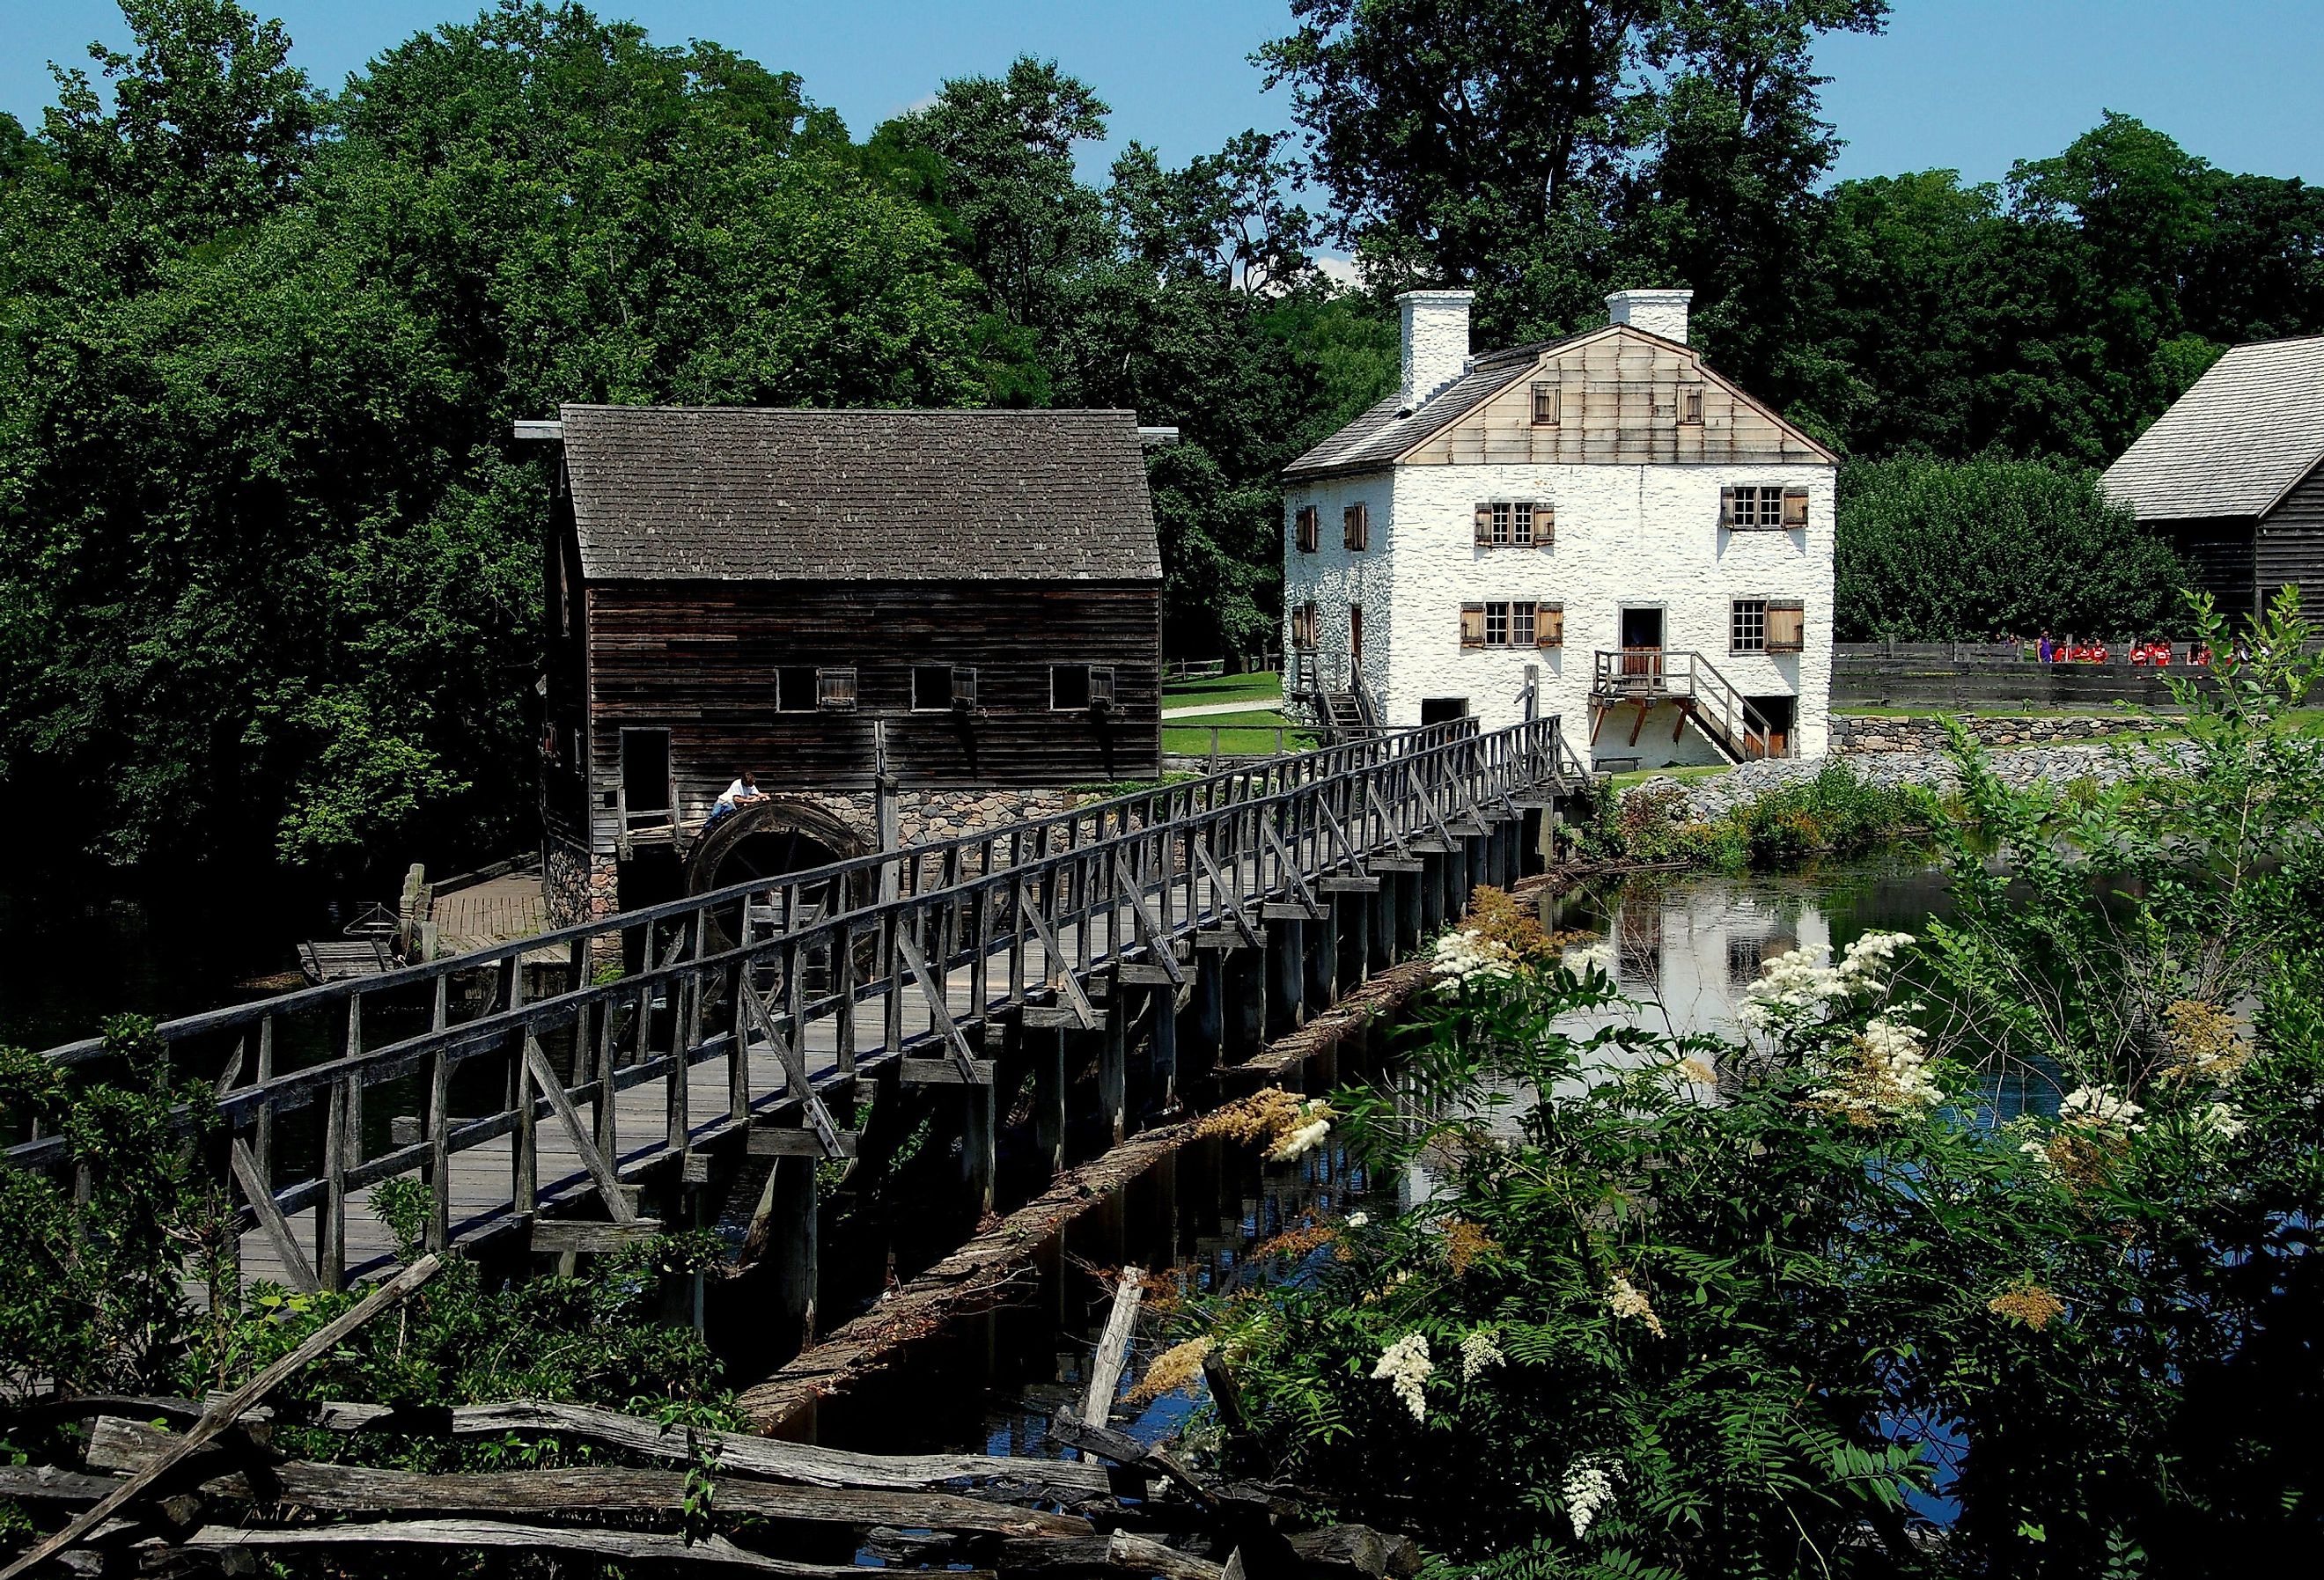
(837, 971)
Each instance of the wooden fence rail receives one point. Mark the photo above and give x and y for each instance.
(762, 1006)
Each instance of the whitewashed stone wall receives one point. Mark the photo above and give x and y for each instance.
(1626, 536)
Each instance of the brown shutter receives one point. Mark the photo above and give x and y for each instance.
(1795, 507)
(1544, 525)
(1356, 527)
(1472, 626)
(1787, 625)
(1484, 526)
(1549, 625)
(1727, 507)
(1306, 528)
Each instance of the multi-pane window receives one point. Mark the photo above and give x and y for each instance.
(1747, 626)
(1356, 527)
(1519, 523)
(1304, 526)
(1762, 507)
(1772, 625)
(1545, 405)
(1515, 622)
(836, 688)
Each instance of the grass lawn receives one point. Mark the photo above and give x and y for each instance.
(1240, 734)
(1693, 770)
(1262, 686)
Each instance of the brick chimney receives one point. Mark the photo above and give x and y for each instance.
(1436, 341)
(1657, 312)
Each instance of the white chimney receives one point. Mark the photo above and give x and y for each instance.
(1436, 341)
(1657, 312)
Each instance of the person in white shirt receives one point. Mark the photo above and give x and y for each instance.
(743, 793)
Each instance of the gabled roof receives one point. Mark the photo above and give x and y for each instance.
(749, 494)
(2234, 445)
(1384, 434)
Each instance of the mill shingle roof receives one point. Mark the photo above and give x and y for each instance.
(2234, 444)
(747, 494)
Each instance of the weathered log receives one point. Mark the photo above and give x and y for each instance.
(738, 1453)
(1119, 1554)
(1350, 1550)
(636, 1547)
(221, 1413)
(45, 1483)
(1112, 1349)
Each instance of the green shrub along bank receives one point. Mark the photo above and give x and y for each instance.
(1937, 550)
(1833, 814)
(93, 1296)
(2012, 1272)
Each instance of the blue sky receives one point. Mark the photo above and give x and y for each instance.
(1961, 84)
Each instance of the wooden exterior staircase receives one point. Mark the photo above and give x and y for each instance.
(1330, 688)
(1644, 677)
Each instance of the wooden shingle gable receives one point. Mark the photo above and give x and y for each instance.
(1618, 396)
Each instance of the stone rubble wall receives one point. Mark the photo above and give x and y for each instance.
(1856, 734)
(1713, 796)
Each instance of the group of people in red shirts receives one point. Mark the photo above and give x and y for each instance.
(2144, 652)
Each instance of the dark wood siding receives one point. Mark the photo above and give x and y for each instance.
(2219, 558)
(701, 658)
(2291, 547)
(565, 742)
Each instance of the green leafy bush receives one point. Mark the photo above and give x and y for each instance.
(1833, 814)
(1934, 550)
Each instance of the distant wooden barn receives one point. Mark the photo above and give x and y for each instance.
(2234, 474)
(771, 590)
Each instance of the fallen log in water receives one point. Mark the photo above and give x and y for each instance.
(637, 1547)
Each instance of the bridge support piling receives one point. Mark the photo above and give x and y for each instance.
(1113, 1067)
(1048, 1049)
(1432, 896)
(1408, 911)
(1355, 930)
(1246, 1004)
(1205, 1028)
(1285, 976)
(1163, 1039)
(791, 1247)
(980, 1135)
(1323, 955)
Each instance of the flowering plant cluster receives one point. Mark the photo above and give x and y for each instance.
(1773, 1324)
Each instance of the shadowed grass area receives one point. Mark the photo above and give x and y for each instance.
(1239, 734)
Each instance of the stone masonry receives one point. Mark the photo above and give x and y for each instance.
(1858, 733)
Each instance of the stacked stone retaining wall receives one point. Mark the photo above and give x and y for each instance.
(1855, 733)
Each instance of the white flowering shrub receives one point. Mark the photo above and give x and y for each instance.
(1642, 1323)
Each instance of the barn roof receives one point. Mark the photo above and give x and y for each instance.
(1384, 431)
(754, 494)
(2234, 445)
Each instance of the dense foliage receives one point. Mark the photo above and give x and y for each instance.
(1835, 813)
(268, 579)
(1931, 550)
(2029, 1250)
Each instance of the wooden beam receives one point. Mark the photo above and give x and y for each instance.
(775, 1140)
(1112, 1349)
(601, 1173)
(1157, 939)
(221, 1413)
(939, 1012)
(560, 1235)
(945, 1072)
(1069, 990)
(794, 1063)
(254, 1190)
(625, 1545)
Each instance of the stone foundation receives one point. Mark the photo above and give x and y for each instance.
(1860, 733)
(580, 887)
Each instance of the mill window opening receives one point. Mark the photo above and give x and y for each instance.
(835, 688)
(932, 687)
(794, 690)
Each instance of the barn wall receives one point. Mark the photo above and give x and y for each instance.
(2291, 544)
(2219, 558)
(701, 659)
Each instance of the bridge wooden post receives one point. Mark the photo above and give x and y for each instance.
(1205, 1029)
(1324, 957)
(1114, 1065)
(1287, 974)
(1049, 1050)
(792, 1252)
(1245, 1005)
(980, 1141)
(1410, 908)
(1163, 1040)
(1432, 896)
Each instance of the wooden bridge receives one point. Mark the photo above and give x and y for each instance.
(568, 1108)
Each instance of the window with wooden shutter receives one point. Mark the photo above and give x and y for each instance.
(1521, 619)
(964, 685)
(931, 688)
(1689, 407)
(1521, 524)
(1544, 525)
(1069, 687)
(1484, 526)
(1356, 527)
(1754, 508)
(1472, 626)
(1545, 405)
(1747, 625)
(1795, 508)
(1727, 507)
(1787, 623)
(1549, 625)
(795, 691)
(835, 689)
(1307, 531)
(1100, 684)
(1302, 625)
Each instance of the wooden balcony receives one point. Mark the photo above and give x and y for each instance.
(1645, 677)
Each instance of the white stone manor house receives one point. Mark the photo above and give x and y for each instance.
(1598, 528)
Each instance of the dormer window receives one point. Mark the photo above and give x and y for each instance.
(1689, 407)
(1545, 406)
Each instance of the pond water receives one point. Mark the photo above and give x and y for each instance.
(1685, 944)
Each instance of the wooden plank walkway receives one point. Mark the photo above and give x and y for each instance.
(761, 1009)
